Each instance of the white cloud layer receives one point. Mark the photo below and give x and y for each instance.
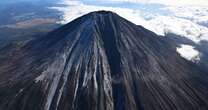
(181, 20)
(176, 22)
(188, 52)
(169, 2)
(75, 9)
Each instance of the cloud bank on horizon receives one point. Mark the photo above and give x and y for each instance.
(168, 2)
(172, 17)
(186, 21)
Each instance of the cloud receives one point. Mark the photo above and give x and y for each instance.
(181, 21)
(188, 52)
(75, 9)
(168, 2)
(156, 22)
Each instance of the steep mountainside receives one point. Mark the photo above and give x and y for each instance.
(101, 61)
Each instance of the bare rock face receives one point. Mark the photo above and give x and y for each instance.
(101, 62)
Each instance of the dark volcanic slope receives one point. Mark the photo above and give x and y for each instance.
(101, 62)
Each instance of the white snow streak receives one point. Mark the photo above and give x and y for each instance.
(40, 78)
(54, 74)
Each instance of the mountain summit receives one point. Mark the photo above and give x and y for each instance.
(101, 61)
